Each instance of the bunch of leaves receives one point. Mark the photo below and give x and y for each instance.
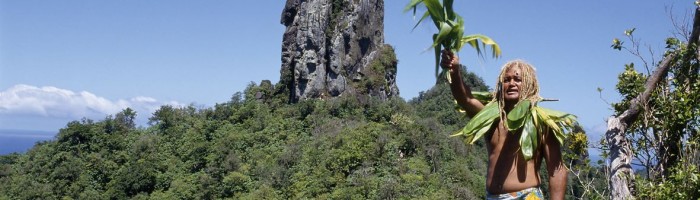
(526, 115)
(450, 27)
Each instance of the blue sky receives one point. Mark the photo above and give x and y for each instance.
(65, 60)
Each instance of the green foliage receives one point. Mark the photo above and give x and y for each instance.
(255, 147)
(375, 75)
(450, 25)
(586, 180)
(664, 137)
(259, 148)
(480, 124)
(630, 85)
(683, 183)
(517, 116)
(438, 101)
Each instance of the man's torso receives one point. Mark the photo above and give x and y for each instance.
(508, 171)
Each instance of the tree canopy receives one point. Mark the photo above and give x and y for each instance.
(251, 148)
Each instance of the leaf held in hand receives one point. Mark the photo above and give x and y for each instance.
(450, 29)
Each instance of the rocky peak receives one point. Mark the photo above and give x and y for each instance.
(336, 47)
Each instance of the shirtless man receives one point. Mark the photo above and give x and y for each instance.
(509, 175)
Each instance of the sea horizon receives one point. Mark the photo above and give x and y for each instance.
(19, 141)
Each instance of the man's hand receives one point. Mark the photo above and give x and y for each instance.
(449, 60)
(461, 93)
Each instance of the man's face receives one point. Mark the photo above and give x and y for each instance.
(511, 85)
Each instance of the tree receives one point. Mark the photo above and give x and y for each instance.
(643, 100)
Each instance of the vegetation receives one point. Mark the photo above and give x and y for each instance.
(665, 105)
(376, 75)
(252, 148)
(256, 148)
(450, 25)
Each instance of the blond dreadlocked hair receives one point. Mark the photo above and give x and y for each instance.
(529, 88)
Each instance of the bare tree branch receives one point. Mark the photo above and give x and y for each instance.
(621, 172)
(693, 39)
(695, 34)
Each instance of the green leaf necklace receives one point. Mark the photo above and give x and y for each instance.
(531, 118)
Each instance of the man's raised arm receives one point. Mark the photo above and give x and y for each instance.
(461, 92)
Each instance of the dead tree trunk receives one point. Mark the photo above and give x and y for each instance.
(621, 174)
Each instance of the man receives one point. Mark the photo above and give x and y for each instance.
(510, 175)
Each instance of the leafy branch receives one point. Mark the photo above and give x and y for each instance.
(450, 25)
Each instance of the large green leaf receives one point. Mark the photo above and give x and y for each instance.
(557, 121)
(412, 5)
(554, 113)
(443, 33)
(482, 131)
(458, 32)
(481, 119)
(436, 11)
(448, 9)
(545, 119)
(481, 122)
(483, 97)
(528, 137)
(437, 57)
(473, 40)
(517, 116)
(425, 15)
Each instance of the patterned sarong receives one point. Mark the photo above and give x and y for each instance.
(533, 193)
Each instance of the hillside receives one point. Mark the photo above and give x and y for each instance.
(347, 147)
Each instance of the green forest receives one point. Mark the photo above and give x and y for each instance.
(260, 148)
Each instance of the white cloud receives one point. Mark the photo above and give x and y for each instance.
(61, 103)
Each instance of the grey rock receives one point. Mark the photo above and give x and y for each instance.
(327, 48)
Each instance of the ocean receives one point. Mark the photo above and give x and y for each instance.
(19, 141)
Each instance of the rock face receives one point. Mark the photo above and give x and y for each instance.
(336, 47)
